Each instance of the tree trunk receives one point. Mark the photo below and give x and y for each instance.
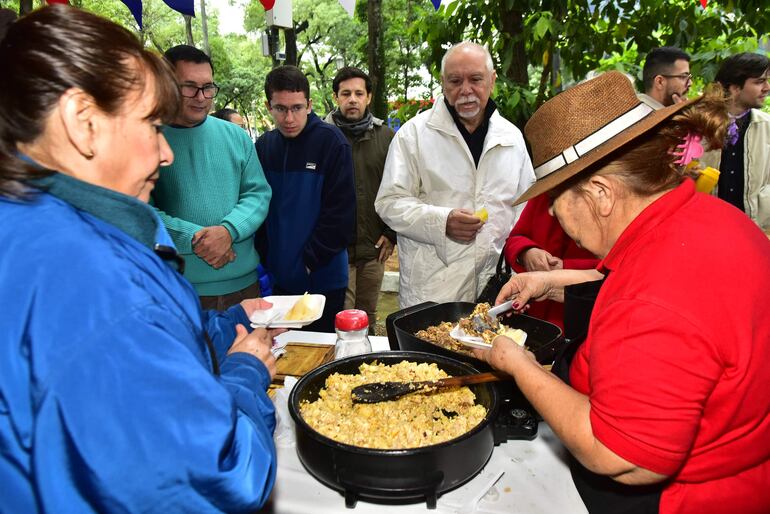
(406, 83)
(290, 38)
(25, 7)
(513, 26)
(556, 82)
(544, 78)
(516, 72)
(376, 59)
(274, 37)
(407, 49)
(188, 29)
(205, 29)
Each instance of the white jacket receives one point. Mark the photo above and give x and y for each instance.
(756, 168)
(430, 171)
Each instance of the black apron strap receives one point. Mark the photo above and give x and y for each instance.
(601, 494)
(579, 302)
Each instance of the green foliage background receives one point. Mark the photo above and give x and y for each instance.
(538, 46)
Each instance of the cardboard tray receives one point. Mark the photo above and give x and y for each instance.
(300, 358)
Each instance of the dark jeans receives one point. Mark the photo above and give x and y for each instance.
(222, 302)
(335, 301)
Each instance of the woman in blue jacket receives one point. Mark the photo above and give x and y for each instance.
(116, 392)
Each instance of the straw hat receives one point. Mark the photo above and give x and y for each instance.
(576, 128)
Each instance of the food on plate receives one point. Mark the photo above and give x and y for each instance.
(412, 421)
(303, 309)
(482, 214)
(517, 335)
(439, 334)
(480, 324)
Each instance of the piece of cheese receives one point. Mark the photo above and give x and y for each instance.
(301, 310)
(482, 214)
(516, 334)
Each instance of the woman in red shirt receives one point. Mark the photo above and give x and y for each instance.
(667, 406)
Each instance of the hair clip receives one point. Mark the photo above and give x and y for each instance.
(690, 149)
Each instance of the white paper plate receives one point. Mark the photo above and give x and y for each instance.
(459, 334)
(281, 306)
(474, 342)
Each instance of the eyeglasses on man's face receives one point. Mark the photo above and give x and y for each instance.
(687, 77)
(283, 110)
(191, 91)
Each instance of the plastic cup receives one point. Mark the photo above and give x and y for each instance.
(707, 180)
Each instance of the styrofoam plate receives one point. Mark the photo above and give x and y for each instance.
(473, 341)
(274, 316)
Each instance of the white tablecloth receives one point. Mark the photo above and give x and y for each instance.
(536, 479)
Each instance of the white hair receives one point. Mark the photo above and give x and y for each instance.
(470, 44)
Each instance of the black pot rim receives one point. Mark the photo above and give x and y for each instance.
(403, 354)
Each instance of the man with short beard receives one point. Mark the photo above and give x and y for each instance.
(744, 162)
(369, 137)
(666, 76)
(451, 177)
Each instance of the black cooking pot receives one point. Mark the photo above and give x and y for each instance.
(392, 476)
(544, 339)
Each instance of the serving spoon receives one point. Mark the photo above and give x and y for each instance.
(480, 324)
(480, 321)
(376, 392)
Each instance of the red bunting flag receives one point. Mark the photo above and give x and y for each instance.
(51, 2)
(267, 4)
(703, 3)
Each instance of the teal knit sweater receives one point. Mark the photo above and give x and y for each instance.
(216, 179)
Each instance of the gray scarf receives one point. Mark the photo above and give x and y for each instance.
(354, 128)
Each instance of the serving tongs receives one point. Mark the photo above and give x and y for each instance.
(376, 392)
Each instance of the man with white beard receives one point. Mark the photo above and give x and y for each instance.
(450, 179)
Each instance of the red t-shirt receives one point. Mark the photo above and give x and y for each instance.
(677, 355)
(536, 228)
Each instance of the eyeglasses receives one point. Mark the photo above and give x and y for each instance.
(684, 76)
(283, 110)
(189, 91)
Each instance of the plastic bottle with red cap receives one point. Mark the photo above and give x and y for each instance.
(352, 327)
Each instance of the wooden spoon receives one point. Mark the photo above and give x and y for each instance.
(376, 392)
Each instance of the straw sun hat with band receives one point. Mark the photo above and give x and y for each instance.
(584, 124)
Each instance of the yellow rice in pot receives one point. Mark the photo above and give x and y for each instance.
(412, 421)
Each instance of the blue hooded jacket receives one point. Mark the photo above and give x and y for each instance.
(107, 397)
(313, 209)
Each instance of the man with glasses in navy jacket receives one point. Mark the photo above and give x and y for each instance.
(309, 166)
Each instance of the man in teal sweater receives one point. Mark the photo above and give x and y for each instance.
(214, 197)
